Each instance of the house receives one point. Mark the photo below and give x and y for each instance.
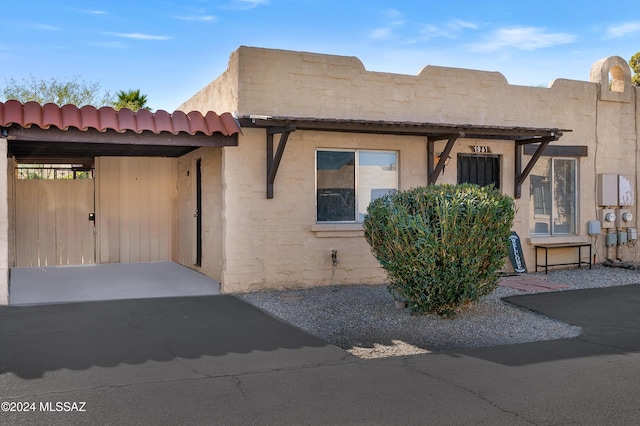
(279, 203)
(321, 136)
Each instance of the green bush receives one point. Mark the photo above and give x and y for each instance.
(441, 245)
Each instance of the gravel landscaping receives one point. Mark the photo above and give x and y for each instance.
(363, 319)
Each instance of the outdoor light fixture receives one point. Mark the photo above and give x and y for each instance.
(446, 161)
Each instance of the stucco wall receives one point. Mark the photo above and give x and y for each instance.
(212, 208)
(286, 83)
(11, 183)
(276, 243)
(272, 243)
(221, 95)
(4, 223)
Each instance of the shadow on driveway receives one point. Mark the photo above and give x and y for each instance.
(609, 317)
(222, 335)
(40, 339)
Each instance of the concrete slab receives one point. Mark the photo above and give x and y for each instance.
(114, 281)
(529, 283)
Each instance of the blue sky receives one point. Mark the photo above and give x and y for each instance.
(170, 49)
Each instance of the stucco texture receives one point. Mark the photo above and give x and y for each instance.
(276, 243)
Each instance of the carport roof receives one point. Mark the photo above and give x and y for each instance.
(38, 131)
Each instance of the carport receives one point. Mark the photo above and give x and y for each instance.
(65, 230)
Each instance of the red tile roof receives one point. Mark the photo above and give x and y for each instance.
(105, 118)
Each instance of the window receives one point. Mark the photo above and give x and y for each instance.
(553, 196)
(347, 181)
(482, 170)
(53, 171)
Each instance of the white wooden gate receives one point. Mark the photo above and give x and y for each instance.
(52, 222)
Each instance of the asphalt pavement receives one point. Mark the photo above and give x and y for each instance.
(217, 360)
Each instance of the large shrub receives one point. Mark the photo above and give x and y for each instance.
(441, 245)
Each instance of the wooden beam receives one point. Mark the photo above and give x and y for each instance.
(434, 173)
(45, 150)
(430, 160)
(520, 176)
(73, 135)
(273, 160)
(401, 128)
(559, 150)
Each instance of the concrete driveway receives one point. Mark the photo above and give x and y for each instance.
(217, 360)
(107, 281)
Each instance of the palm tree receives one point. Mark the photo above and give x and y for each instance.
(132, 100)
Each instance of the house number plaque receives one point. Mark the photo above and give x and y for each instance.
(481, 149)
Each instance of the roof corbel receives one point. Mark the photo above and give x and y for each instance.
(521, 175)
(273, 159)
(434, 173)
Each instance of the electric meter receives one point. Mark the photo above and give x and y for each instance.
(610, 219)
(627, 217)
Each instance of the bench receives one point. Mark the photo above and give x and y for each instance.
(547, 247)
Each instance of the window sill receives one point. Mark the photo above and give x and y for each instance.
(560, 239)
(338, 230)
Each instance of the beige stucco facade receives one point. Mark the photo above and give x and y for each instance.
(277, 243)
(212, 232)
(253, 242)
(5, 220)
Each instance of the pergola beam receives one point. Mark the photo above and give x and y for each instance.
(273, 159)
(434, 173)
(521, 136)
(521, 175)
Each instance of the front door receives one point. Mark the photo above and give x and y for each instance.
(198, 213)
(52, 222)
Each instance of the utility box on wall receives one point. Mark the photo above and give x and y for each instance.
(594, 227)
(626, 193)
(607, 189)
(615, 190)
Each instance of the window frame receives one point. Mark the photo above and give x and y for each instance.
(356, 152)
(553, 206)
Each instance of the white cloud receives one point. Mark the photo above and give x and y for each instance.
(141, 36)
(248, 4)
(395, 17)
(458, 24)
(110, 44)
(413, 32)
(89, 11)
(44, 27)
(381, 33)
(523, 38)
(387, 32)
(449, 30)
(429, 31)
(621, 30)
(205, 18)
